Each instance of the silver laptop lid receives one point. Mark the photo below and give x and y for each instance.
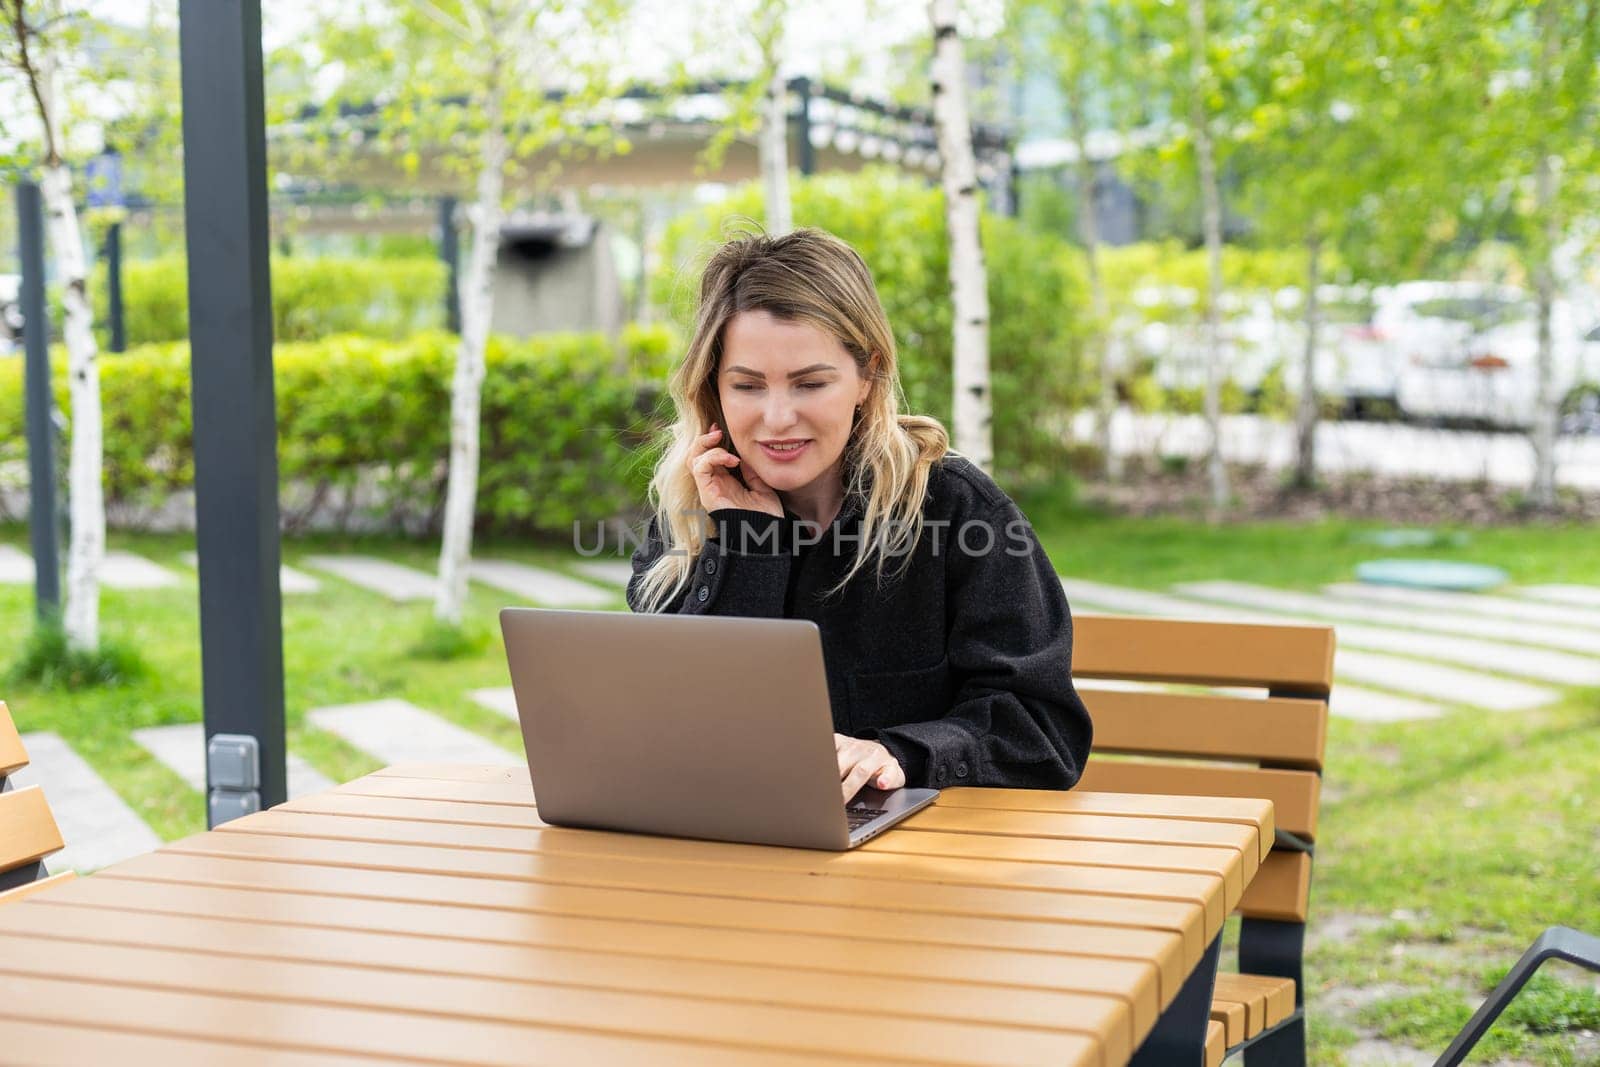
(692, 726)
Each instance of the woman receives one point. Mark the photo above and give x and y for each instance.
(793, 488)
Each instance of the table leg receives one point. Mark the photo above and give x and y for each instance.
(1179, 1037)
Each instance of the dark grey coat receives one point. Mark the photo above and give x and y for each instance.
(962, 667)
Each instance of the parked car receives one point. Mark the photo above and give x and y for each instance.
(1492, 379)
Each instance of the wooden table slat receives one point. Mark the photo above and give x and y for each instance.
(822, 954)
(537, 965)
(1189, 859)
(397, 1036)
(611, 872)
(865, 923)
(625, 1014)
(921, 866)
(58, 1044)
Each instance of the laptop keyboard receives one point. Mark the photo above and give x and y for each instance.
(858, 817)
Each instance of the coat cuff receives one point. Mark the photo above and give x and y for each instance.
(935, 755)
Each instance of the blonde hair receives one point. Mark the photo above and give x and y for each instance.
(812, 277)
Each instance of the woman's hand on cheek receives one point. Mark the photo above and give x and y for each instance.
(713, 466)
(866, 763)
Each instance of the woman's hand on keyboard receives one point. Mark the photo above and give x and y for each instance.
(863, 763)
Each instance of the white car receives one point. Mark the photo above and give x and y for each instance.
(1492, 379)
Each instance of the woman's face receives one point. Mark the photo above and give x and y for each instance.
(789, 392)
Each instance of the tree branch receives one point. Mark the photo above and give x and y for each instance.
(436, 14)
(19, 26)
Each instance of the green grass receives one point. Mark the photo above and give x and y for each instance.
(1458, 840)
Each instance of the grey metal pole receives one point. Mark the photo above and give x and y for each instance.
(807, 153)
(450, 252)
(42, 529)
(119, 335)
(230, 337)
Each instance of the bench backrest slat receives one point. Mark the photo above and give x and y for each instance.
(28, 831)
(1243, 746)
(13, 756)
(1283, 731)
(1289, 659)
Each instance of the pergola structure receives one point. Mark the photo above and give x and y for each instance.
(230, 334)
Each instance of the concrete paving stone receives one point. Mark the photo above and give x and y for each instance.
(501, 701)
(397, 731)
(16, 566)
(611, 572)
(182, 747)
(380, 576)
(1406, 676)
(1562, 668)
(539, 585)
(1584, 595)
(289, 579)
(124, 570)
(1503, 607)
(97, 824)
(1369, 705)
(1245, 595)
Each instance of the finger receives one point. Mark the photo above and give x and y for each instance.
(753, 481)
(890, 776)
(855, 780)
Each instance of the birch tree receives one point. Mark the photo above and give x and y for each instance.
(754, 37)
(1211, 223)
(969, 283)
(1087, 42)
(34, 46)
(474, 88)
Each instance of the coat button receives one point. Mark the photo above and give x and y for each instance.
(961, 770)
(711, 566)
(940, 774)
(702, 594)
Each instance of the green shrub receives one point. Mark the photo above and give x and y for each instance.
(565, 424)
(1038, 302)
(47, 662)
(312, 298)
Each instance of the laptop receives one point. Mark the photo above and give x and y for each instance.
(688, 726)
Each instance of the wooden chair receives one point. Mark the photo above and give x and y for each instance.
(28, 831)
(1228, 745)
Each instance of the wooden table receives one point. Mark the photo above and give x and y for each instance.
(426, 913)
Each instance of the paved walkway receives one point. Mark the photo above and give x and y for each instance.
(182, 748)
(97, 824)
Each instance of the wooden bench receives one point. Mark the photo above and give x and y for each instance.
(1222, 744)
(28, 832)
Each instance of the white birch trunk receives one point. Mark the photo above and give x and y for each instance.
(466, 391)
(773, 147)
(1305, 425)
(86, 543)
(1546, 403)
(969, 284)
(1089, 232)
(1211, 200)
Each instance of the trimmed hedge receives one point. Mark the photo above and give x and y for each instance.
(1038, 301)
(565, 428)
(312, 298)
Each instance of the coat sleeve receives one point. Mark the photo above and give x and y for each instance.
(1016, 719)
(743, 569)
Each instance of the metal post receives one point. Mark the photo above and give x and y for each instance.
(807, 154)
(119, 335)
(40, 402)
(450, 252)
(230, 336)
